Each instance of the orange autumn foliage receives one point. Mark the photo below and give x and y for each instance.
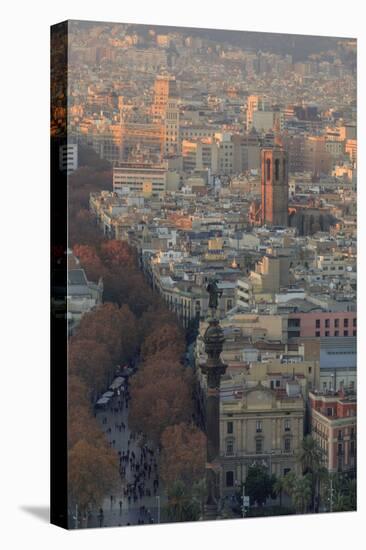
(91, 361)
(183, 454)
(92, 474)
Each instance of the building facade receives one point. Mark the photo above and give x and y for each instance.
(333, 426)
(260, 426)
(144, 178)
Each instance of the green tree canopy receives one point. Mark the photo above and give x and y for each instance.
(259, 485)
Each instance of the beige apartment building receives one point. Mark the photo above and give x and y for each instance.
(257, 326)
(145, 179)
(200, 154)
(271, 273)
(272, 371)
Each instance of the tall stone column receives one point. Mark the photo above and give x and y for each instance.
(214, 368)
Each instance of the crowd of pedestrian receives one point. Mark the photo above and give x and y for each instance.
(138, 467)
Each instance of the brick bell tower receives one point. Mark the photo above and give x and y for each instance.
(274, 186)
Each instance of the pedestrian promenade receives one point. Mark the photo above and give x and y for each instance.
(136, 499)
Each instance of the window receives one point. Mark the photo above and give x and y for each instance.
(340, 435)
(327, 333)
(229, 479)
(287, 444)
(309, 370)
(336, 323)
(230, 447)
(354, 333)
(329, 411)
(354, 322)
(317, 323)
(345, 333)
(340, 449)
(258, 446)
(268, 164)
(287, 425)
(277, 169)
(336, 333)
(327, 323)
(230, 427)
(258, 426)
(317, 333)
(278, 383)
(229, 304)
(352, 448)
(286, 471)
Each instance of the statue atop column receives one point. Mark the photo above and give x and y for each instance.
(214, 295)
(214, 369)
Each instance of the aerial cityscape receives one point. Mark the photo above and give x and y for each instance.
(211, 273)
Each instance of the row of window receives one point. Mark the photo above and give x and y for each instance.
(258, 446)
(258, 426)
(336, 333)
(336, 323)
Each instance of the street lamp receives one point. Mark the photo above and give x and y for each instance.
(270, 454)
(158, 501)
(76, 516)
(333, 381)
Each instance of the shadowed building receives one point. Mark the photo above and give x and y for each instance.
(309, 220)
(274, 186)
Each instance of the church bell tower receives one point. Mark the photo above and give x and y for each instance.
(274, 186)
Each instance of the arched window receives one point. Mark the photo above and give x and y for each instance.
(268, 163)
(277, 169)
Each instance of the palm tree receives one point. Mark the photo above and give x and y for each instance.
(311, 459)
(343, 497)
(288, 483)
(302, 493)
(310, 455)
(351, 488)
(278, 487)
(199, 491)
(182, 506)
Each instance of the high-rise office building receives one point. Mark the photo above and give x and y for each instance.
(171, 126)
(165, 87)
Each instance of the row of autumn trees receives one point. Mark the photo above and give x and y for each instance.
(162, 408)
(132, 326)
